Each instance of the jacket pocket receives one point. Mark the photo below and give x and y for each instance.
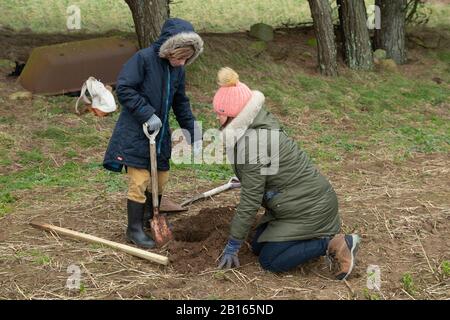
(271, 199)
(136, 145)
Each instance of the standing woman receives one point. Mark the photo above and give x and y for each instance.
(149, 85)
(301, 221)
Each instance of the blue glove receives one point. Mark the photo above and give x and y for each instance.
(154, 123)
(197, 148)
(229, 254)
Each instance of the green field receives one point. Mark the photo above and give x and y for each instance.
(211, 16)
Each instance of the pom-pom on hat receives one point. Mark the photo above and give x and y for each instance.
(232, 95)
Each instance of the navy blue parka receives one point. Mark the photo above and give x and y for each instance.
(149, 85)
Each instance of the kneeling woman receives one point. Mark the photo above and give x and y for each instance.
(301, 221)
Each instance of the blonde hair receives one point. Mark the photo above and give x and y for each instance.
(181, 53)
(227, 77)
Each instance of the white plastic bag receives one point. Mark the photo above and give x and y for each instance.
(102, 98)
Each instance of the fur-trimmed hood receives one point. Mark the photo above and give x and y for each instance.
(239, 125)
(178, 33)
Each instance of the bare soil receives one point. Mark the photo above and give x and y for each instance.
(199, 241)
(402, 212)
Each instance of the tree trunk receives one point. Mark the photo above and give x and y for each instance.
(148, 16)
(392, 35)
(323, 26)
(357, 47)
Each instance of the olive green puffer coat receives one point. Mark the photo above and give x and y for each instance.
(300, 202)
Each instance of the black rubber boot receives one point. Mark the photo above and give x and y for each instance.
(148, 212)
(135, 230)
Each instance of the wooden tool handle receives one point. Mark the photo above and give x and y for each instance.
(89, 238)
(153, 167)
(154, 176)
(217, 190)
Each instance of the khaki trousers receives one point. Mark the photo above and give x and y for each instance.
(139, 181)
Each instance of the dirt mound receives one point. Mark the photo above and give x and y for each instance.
(199, 241)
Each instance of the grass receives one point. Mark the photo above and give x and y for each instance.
(369, 295)
(408, 283)
(69, 176)
(444, 56)
(36, 256)
(357, 114)
(30, 157)
(6, 201)
(82, 288)
(210, 172)
(380, 106)
(212, 16)
(103, 15)
(439, 15)
(383, 109)
(445, 268)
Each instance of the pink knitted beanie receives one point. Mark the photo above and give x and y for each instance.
(232, 95)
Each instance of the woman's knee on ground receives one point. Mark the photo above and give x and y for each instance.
(285, 256)
(271, 257)
(270, 264)
(257, 246)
